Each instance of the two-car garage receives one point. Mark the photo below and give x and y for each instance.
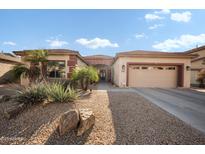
(153, 75)
(151, 69)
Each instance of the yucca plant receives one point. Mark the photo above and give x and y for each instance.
(32, 95)
(56, 92)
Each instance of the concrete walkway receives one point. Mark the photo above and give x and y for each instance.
(109, 87)
(188, 105)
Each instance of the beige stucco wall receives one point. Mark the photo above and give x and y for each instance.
(4, 69)
(120, 77)
(80, 63)
(115, 75)
(197, 65)
(201, 53)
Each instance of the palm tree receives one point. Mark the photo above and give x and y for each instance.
(38, 58)
(32, 73)
(36, 70)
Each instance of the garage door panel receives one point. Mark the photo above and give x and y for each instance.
(149, 76)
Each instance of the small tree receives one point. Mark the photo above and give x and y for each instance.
(201, 78)
(85, 76)
(31, 72)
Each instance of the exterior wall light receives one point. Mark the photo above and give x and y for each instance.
(188, 68)
(123, 68)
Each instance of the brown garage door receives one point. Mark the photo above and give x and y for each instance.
(152, 76)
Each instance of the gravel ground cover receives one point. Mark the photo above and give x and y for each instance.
(121, 118)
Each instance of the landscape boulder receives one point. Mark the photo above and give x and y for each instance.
(13, 110)
(68, 121)
(87, 120)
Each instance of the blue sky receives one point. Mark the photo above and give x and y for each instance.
(102, 31)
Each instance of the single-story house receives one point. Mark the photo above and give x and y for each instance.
(197, 63)
(7, 62)
(127, 69)
(65, 60)
(151, 69)
(102, 63)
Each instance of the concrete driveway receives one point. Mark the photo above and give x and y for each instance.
(186, 104)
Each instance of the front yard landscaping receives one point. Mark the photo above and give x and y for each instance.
(121, 117)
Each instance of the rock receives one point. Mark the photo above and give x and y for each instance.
(4, 98)
(87, 120)
(13, 110)
(68, 121)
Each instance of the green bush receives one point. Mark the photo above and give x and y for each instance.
(32, 95)
(85, 76)
(56, 92)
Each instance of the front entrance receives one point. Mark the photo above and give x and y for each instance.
(102, 75)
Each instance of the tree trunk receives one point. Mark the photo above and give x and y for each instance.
(86, 84)
(82, 84)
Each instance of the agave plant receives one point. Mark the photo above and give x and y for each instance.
(58, 93)
(32, 95)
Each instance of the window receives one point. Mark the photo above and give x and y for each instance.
(56, 69)
(160, 68)
(144, 68)
(170, 68)
(136, 67)
(157, 68)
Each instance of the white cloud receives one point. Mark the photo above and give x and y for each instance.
(96, 43)
(140, 35)
(9, 43)
(56, 43)
(152, 17)
(184, 41)
(181, 17)
(155, 26)
(163, 11)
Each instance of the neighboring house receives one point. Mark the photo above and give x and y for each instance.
(151, 69)
(7, 62)
(61, 62)
(197, 63)
(103, 65)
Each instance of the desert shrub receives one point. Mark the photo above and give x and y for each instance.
(201, 78)
(85, 76)
(32, 95)
(56, 92)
